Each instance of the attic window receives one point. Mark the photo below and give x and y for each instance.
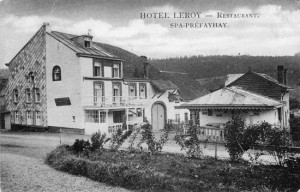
(87, 44)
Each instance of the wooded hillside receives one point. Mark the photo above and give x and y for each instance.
(211, 70)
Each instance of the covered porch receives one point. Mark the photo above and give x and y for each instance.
(109, 120)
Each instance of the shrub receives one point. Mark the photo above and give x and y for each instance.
(62, 150)
(98, 140)
(132, 140)
(149, 138)
(278, 141)
(293, 165)
(119, 138)
(233, 133)
(295, 128)
(81, 145)
(191, 144)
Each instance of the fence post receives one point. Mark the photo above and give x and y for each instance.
(216, 147)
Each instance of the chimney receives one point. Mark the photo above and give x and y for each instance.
(280, 74)
(146, 67)
(47, 26)
(284, 76)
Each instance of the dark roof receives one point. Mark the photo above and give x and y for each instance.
(261, 84)
(3, 82)
(163, 85)
(133, 66)
(272, 79)
(188, 88)
(95, 50)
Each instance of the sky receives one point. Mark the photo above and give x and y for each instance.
(275, 32)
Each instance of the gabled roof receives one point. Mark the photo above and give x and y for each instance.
(233, 98)
(95, 50)
(188, 88)
(133, 65)
(163, 85)
(262, 75)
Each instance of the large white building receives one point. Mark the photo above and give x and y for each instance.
(60, 81)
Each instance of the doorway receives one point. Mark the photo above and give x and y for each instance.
(159, 116)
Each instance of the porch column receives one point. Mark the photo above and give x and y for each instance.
(193, 116)
(127, 119)
(106, 118)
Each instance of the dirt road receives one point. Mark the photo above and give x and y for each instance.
(23, 169)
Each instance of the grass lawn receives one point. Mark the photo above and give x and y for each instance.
(171, 172)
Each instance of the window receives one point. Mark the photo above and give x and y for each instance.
(87, 44)
(186, 118)
(117, 116)
(102, 116)
(98, 92)
(204, 112)
(16, 95)
(29, 117)
(17, 117)
(97, 68)
(116, 92)
(31, 77)
(56, 73)
(177, 118)
(116, 70)
(37, 95)
(219, 113)
(143, 91)
(210, 112)
(38, 118)
(132, 90)
(28, 95)
(92, 116)
(139, 112)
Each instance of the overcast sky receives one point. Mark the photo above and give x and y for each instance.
(275, 32)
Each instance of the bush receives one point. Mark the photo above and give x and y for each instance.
(119, 138)
(295, 128)
(191, 144)
(98, 140)
(148, 137)
(81, 145)
(233, 133)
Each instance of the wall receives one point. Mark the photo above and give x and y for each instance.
(269, 116)
(31, 58)
(69, 86)
(286, 110)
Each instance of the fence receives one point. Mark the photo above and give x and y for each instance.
(213, 133)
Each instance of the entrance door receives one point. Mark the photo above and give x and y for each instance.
(158, 116)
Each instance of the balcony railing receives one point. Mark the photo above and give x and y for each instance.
(113, 101)
(114, 127)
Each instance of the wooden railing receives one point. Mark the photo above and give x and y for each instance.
(204, 132)
(114, 127)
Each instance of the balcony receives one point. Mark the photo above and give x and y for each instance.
(113, 101)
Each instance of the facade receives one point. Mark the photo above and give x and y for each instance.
(62, 81)
(254, 96)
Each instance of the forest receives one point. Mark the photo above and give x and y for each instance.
(211, 71)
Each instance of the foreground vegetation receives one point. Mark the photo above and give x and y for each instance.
(151, 170)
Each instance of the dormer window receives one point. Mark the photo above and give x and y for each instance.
(87, 44)
(87, 39)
